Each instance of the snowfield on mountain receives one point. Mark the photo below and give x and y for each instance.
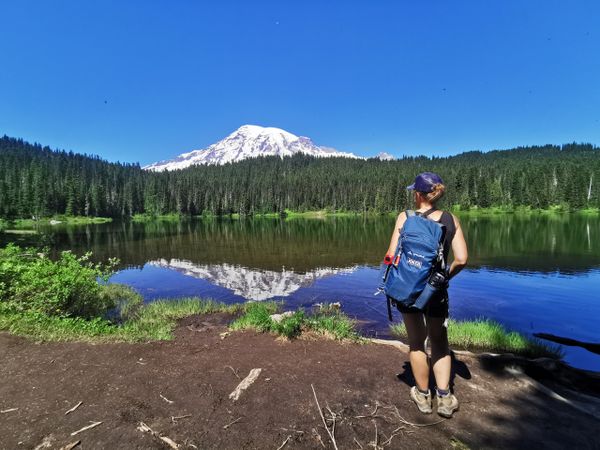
(249, 141)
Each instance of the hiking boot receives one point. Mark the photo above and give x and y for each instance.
(446, 405)
(423, 401)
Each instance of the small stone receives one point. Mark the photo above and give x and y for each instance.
(279, 317)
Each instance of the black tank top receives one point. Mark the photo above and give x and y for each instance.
(447, 220)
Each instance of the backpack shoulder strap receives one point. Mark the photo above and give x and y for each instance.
(429, 211)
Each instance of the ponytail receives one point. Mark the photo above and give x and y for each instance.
(436, 193)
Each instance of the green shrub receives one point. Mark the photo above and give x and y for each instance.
(290, 326)
(69, 286)
(328, 321)
(257, 316)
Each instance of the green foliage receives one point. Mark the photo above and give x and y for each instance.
(30, 281)
(154, 321)
(257, 316)
(490, 336)
(36, 181)
(328, 322)
(41, 326)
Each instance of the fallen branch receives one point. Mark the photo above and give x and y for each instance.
(4, 411)
(89, 427)
(284, 442)
(70, 446)
(245, 384)
(174, 419)
(146, 429)
(74, 408)
(323, 419)
(359, 444)
(229, 424)
(166, 399)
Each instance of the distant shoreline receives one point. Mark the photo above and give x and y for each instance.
(20, 224)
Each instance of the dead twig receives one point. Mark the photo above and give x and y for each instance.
(74, 408)
(89, 427)
(284, 442)
(359, 444)
(174, 419)
(229, 424)
(70, 446)
(146, 429)
(4, 411)
(292, 430)
(371, 414)
(170, 402)
(234, 372)
(416, 425)
(395, 433)
(331, 436)
(333, 419)
(318, 436)
(376, 442)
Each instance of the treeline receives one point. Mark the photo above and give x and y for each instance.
(37, 181)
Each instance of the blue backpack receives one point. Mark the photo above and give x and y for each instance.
(413, 276)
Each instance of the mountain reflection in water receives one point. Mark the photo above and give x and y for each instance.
(251, 284)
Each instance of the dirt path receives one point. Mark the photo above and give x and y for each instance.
(122, 385)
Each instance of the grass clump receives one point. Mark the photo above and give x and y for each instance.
(327, 321)
(156, 320)
(150, 322)
(488, 335)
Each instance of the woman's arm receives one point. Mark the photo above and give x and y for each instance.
(396, 234)
(459, 249)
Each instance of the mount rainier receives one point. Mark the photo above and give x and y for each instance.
(249, 141)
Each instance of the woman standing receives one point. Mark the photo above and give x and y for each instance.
(433, 321)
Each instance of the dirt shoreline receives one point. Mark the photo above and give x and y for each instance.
(192, 376)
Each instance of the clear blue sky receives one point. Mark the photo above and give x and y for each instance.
(146, 80)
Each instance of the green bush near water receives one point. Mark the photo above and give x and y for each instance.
(151, 322)
(488, 335)
(30, 281)
(328, 322)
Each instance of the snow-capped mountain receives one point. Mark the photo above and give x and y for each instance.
(251, 284)
(249, 141)
(383, 156)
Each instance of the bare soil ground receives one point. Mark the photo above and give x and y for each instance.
(191, 377)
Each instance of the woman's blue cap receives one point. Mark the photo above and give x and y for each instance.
(425, 182)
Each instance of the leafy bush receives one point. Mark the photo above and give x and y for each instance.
(69, 286)
(257, 316)
(328, 321)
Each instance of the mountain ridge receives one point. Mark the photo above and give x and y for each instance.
(249, 141)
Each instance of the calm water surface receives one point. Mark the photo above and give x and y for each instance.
(533, 274)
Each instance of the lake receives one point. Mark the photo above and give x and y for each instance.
(538, 273)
